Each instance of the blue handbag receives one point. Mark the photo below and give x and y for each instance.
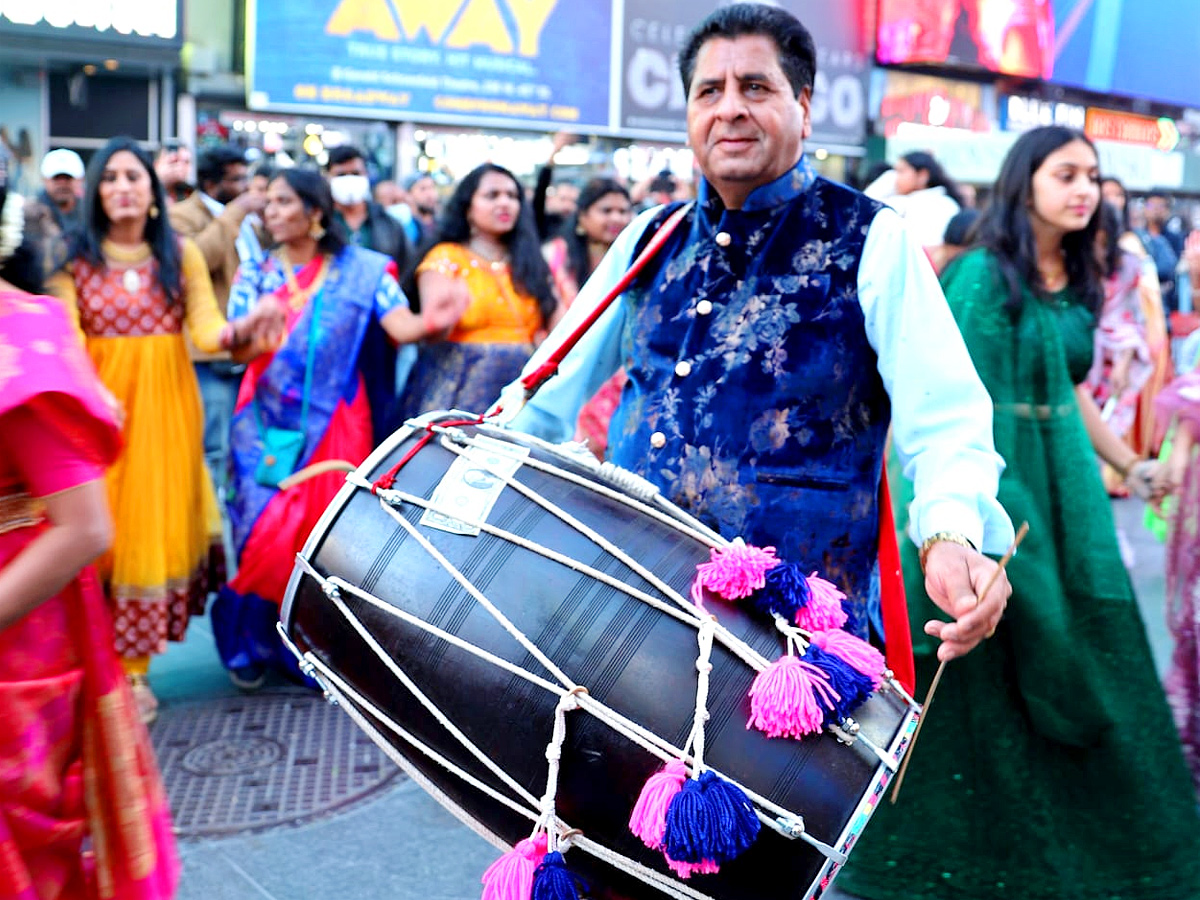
(283, 447)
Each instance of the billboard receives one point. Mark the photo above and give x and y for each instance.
(651, 97)
(542, 63)
(117, 23)
(1137, 49)
(1015, 37)
(600, 66)
(1100, 45)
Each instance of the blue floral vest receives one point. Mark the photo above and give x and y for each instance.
(753, 399)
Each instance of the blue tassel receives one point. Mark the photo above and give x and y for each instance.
(552, 880)
(851, 685)
(786, 591)
(737, 824)
(690, 825)
(710, 820)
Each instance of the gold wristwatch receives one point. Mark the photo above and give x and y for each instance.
(949, 537)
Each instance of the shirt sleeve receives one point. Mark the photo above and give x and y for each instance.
(941, 412)
(47, 460)
(388, 296)
(552, 412)
(204, 319)
(62, 285)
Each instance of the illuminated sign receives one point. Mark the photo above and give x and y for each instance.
(1024, 113)
(928, 100)
(1130, 128)
(544, 63)
(118, 19)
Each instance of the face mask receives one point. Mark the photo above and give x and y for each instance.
(350, 190)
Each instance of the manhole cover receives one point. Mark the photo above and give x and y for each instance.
(232, 756)
(250, 763)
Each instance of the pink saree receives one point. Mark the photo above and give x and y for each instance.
(82, 810)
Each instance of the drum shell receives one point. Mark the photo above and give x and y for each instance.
(630, 656)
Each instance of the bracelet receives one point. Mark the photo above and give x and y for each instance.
(948, 537)
(1124, 471)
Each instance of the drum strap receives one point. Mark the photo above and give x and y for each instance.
(535, 379)
(898, 648)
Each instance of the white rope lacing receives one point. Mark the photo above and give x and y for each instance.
(571, 695)
(784, 821)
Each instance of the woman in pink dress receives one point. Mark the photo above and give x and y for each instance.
(603, 212)
(1123, 362)
(75, 762)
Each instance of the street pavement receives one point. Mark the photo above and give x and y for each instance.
(277, 796)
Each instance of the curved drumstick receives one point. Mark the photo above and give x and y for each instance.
(937, 676)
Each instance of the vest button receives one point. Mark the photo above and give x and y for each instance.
(270, 460)
(658, 440)
(723, 238)
(683, 368)
(703, 308)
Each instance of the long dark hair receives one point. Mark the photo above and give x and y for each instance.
(158, 232)
(922, 161)
(530, 274)
(578, 258)
(22, 268)
(1112, 228)
(313, 192)
(1004, 227)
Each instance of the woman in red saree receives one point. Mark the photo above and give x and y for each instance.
(75, 761)
(330, 386)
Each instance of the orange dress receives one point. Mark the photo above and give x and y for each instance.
(486, 349)
(164, 508)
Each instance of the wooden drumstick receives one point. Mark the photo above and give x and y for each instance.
(937, 676)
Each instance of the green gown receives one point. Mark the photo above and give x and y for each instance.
(1049, 766)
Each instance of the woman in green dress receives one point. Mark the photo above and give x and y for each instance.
(1048, 766)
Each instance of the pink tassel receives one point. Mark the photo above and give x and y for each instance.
(649, 818)
(823, 612)
(786, 698)
(511, 876)
(686, 870)
(733, 572)
(855, 651)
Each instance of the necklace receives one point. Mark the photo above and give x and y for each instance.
(496, 254)
(298, 296)
(131, 281)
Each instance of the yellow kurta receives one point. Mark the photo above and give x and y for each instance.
(162, 500)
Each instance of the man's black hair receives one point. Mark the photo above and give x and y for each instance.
(343, 153)
(797, 52)
(210, 168)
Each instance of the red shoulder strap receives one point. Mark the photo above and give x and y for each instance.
(898, 649)
(547, 369)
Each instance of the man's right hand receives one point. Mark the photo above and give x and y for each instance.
(249, 202)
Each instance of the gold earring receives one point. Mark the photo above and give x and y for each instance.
(579, 230)
(316, 232)
(154, 210)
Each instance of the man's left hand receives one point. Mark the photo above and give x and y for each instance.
(954, 576)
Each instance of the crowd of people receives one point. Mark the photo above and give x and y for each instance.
(215, 351)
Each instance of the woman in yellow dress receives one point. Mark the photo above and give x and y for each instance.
(132, 285)
(487, 261)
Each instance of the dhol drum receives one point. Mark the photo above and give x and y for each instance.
(513, 624)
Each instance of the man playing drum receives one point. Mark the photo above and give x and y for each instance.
(783, 326)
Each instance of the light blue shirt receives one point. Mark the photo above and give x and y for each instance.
(941, 412)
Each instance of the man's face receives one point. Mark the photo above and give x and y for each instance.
(745, 125)
(63, 190)
(1157, 210)
(355, 166)
(233, 183)
(424, 195)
